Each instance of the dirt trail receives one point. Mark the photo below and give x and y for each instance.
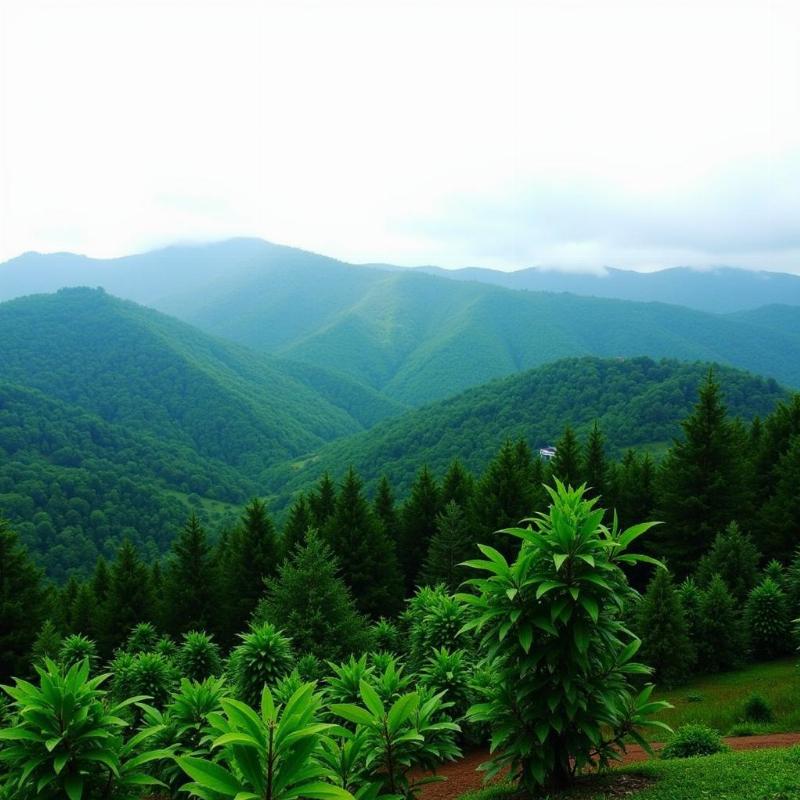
(462, 776)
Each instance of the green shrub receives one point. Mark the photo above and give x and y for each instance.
(449, 673)
(152, 675)
(757, 709)
(390, 681)
(434, 618)
(344, 686)
(76, 648)
(121, 676)
(287, 686)
(767, 620)
(693, 739)
(719, 630)
(142, 638)
(198, 657)
(262, 659)
(385, 636)
(166, 647)
(748, 729)
(311, 669)
(271, 754)
(694, 697)
(551, 625)
(66, 744)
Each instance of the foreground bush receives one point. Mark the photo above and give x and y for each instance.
(198, 656)
(262, 659)
(67, 744)
(550, 620)
(693, 740)
(77, 648)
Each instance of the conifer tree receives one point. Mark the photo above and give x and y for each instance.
(47, 644)
(661, 624)
(309, 598)
(733, 557)
(780, 520)
(719, 629)
(767, 620)
(566, 465)
(793, 585)
(458, 486)
(298, 522)
(595, 463)
(691, 595)
(702, 482)
(84, 612)
(253, 557)
(367, 557)
(101, 580)
(191, 588)
(385, 510)
(322, 501)
(129, 599)
(418, 525)
(452, 544)
(22, 604)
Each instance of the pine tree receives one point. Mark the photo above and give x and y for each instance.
(767, 620)
(595, 463)
(566, 465)
(309, 598)
(129, 599)
(793, 585)
(719, 629)
(505, 495)
(253, 557)
(47, 644)
(101, 580)
(22, 604)
(452, 544)
(780, 520)
(733, 557)
(458, 486)
(322, 501)
(84, 612)
(385, 510)
(191, 587)
(702, 482)
(666, 645)
(298, 522)
(418, 525)
(367, 557)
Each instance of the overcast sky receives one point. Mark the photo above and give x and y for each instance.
(636, 134)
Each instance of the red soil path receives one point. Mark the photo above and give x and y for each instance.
(462, 776)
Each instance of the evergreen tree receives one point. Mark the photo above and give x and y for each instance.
(22, 604)
(793, 585)
(733, 557)
(253, 557)
(458, 486)
(191, 588)
(505, 495)
(367, 557)
(691, 595)
(418, 525)
(84, 612)
(308, 598)
(661, 623)
(385, 509)
(595, 464)
(47, 644)
(767, 620)
(298, 522)
(322, 501)
(702, 481)
(129, 599)
(720, 633)
(65, 604)
(566, 465)
(780, 520)
(159, 611)
(452, 544)
(101, 580)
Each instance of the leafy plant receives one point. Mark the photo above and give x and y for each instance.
(449, 673)
(344, 686)
(767, 620)
(434, 618)
(151, 675)
(287, 686)
(67, 744)
(390, 679)
(310, 667)
(757, 709)
(76, 648)
(550, 623)
(262, 659)
(142, 638)
(166, 647)
(693, 739)
(405, 737)
(198, 657)
(272, 755)
(385, 636)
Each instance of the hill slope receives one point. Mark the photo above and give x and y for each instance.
(637, 402)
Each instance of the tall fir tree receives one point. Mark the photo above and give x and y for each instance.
(84, 612)
(633, 488)
(780, 517)
(458, 486)
(129, 599)
(101, 580)
(566, 464)
(191, 582)
(734, 557)
(385, 510)
(595, 464)
(298, 522)
(367, 556)
(702, 482)
(661, 625)
(22, 604)
(253, 556)
(452, 544)
(418, 525)
(720, 632)
(322, 501)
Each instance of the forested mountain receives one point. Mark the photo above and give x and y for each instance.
(416, 337)
(638, 402)
(721, 289)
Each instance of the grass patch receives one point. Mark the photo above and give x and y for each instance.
(718, 700)
(754, 775)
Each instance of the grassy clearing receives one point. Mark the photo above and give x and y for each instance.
(718, 700)
(753, 775)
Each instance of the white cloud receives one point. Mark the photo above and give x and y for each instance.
(637, 133)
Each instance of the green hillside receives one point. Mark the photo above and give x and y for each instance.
(638, 402)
